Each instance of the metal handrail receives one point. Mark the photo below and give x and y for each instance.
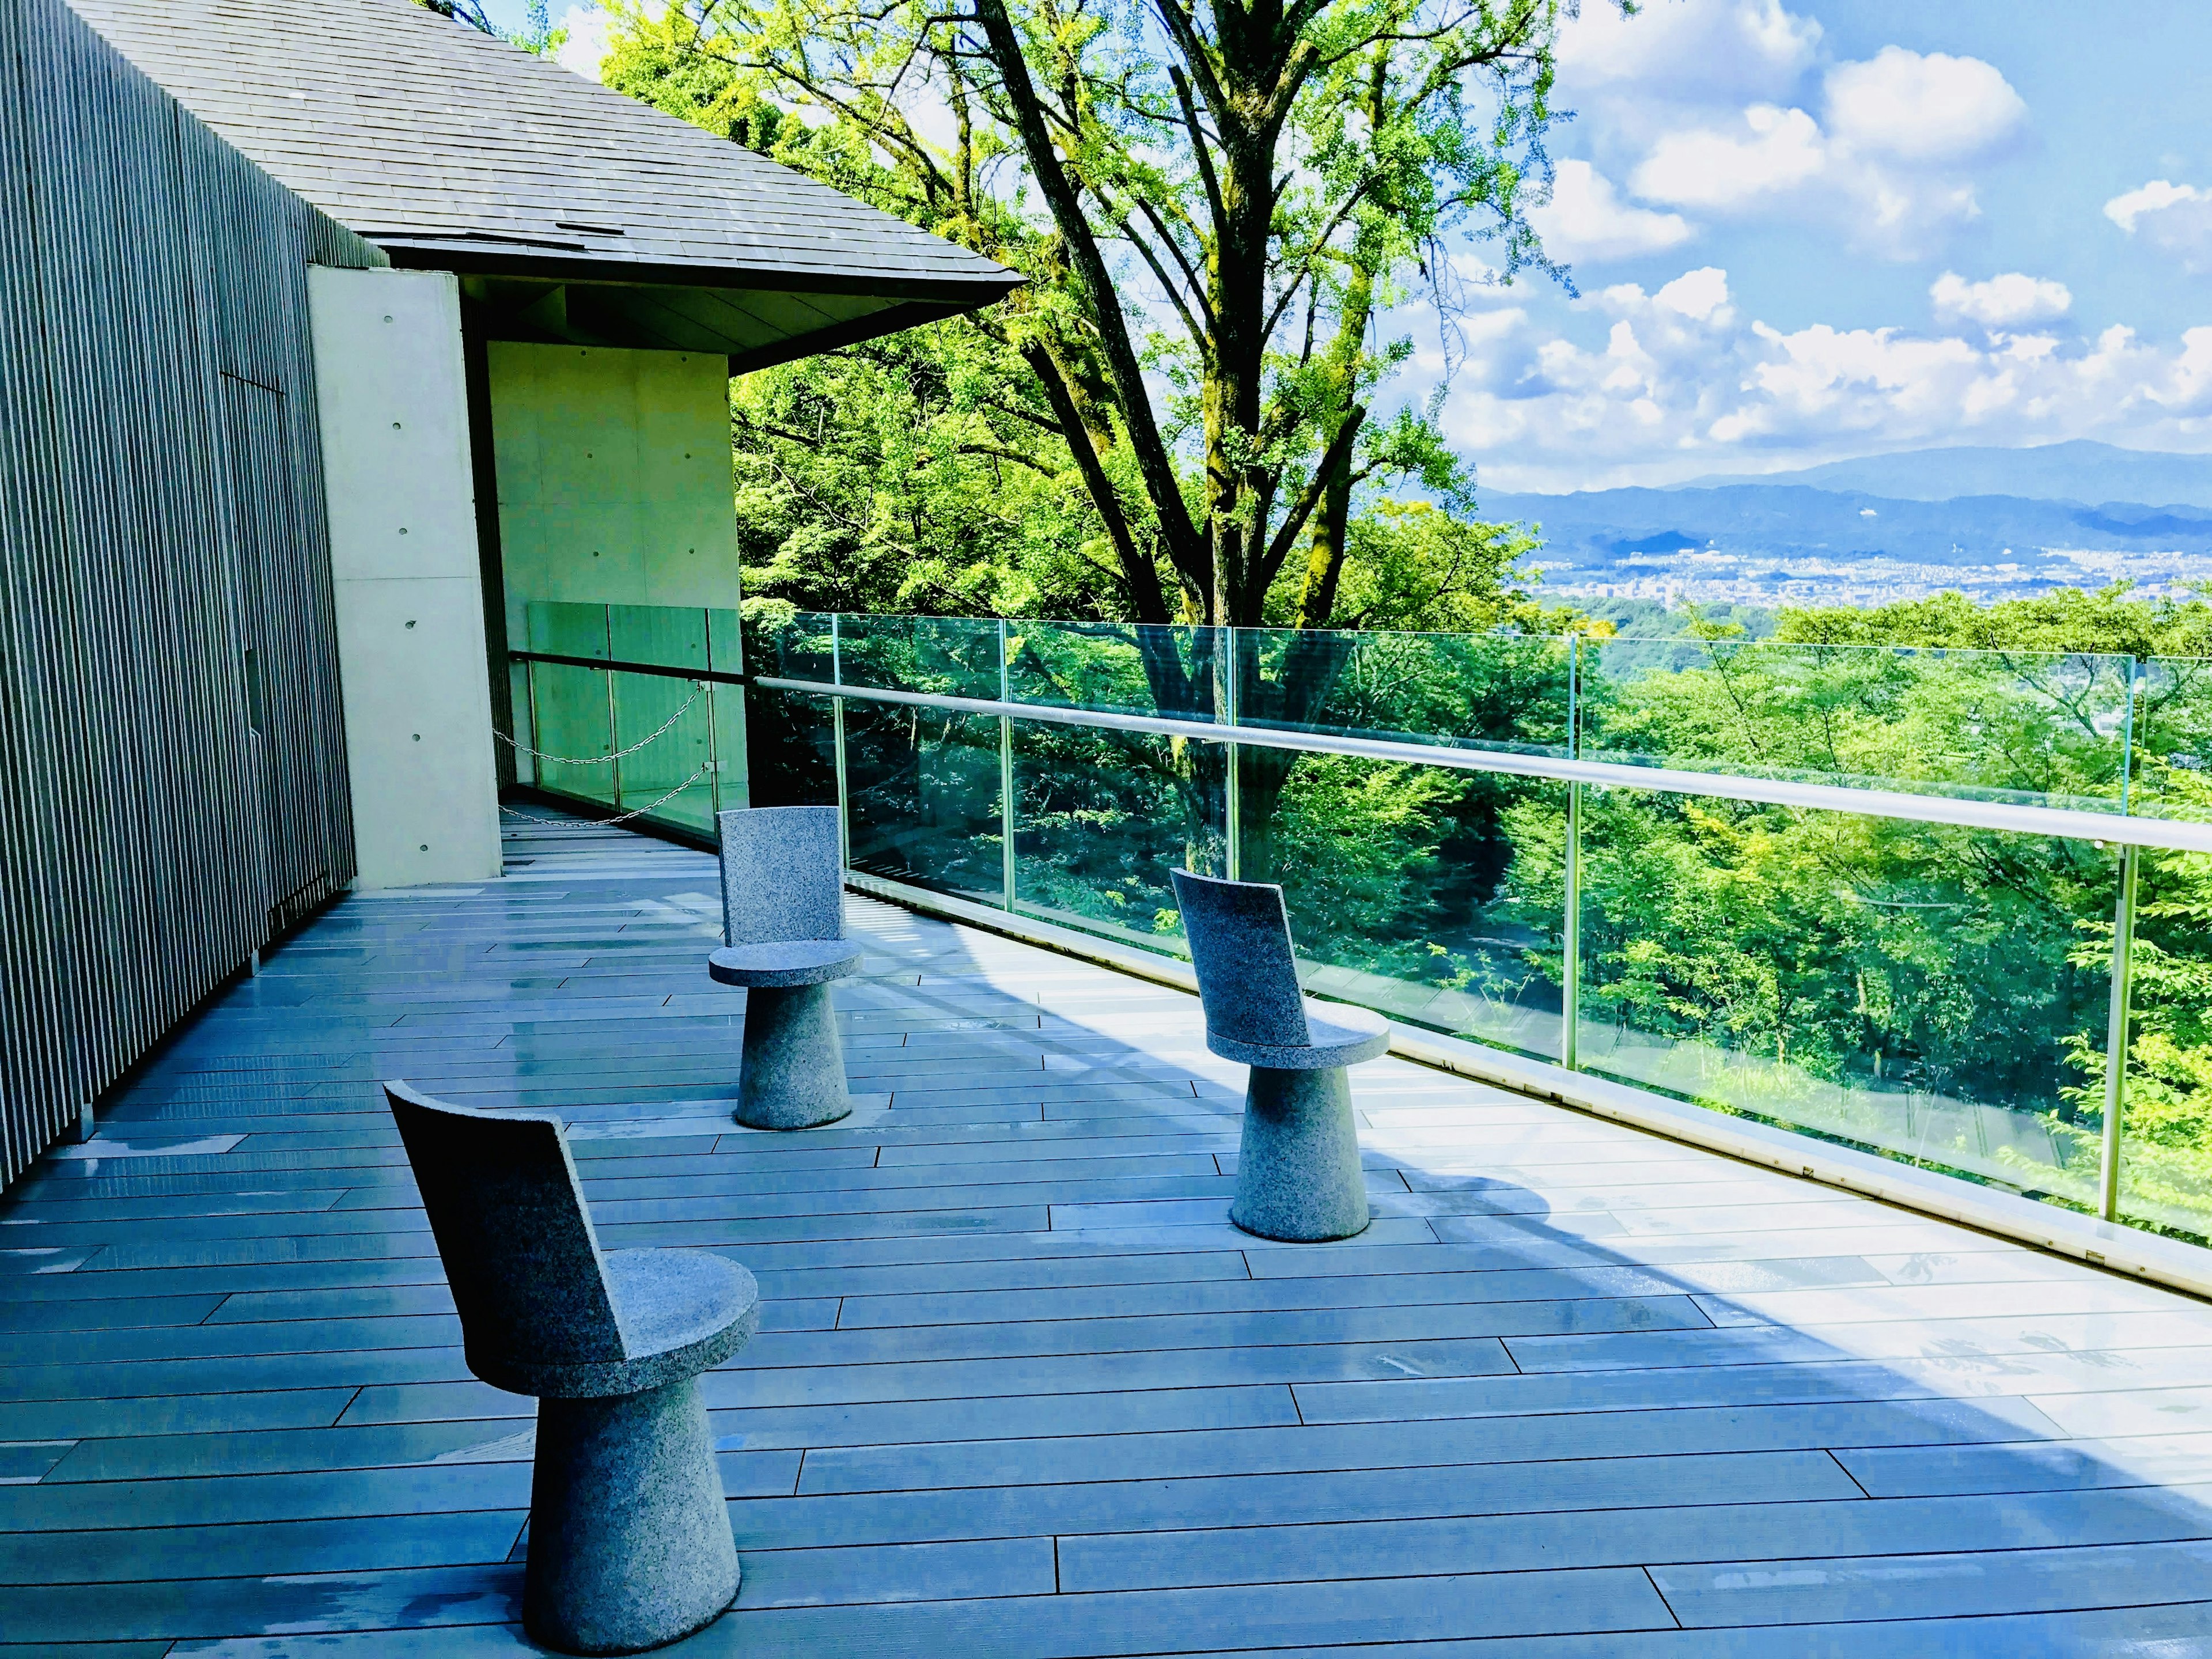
(2070, 824)
(2067, 823)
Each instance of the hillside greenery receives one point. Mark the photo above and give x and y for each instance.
(1109, 451)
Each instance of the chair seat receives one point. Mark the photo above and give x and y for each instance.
(1341, 1036)
(785, 963)
(681, 1312)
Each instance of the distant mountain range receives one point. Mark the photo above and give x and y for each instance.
(1995, 523)
(2076, 471)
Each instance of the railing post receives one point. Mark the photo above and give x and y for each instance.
(1006, 775)
(2116, 1037)
(1571, 934)
(838, 746)
(1571, 853)
(714, 754)
(614, 743)
(530, 695)
(614, 728)
(1232, 801)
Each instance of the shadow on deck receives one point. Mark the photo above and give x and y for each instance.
(1021, 1392)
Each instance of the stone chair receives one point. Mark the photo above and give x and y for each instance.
(783, 914)
(629, 1537)
(1298, 1166)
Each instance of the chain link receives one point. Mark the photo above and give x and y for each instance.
(603, 824)
(698, 690)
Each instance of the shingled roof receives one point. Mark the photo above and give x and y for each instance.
(455, 151)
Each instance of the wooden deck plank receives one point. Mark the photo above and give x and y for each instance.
(1021, 1389)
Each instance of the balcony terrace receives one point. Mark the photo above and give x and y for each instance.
(1021, 1389)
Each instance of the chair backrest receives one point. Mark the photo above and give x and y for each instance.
(1240, 945)
(511, 1229)
(781, 874)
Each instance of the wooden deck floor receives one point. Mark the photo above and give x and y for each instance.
(1021, 1391)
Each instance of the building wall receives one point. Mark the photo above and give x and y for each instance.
(614, 476)
(613, 470)
(392, 393)
(172, 780)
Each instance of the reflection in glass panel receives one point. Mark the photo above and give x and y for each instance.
(2047, 728)
(791, 753)
(1430, 894)
(1474, 691)
(921, 791)
(518, 688)
(1916, 989)
(666, 637)
(727, 709)
(573, 729)
(944, 656)
(726, 651)
(1103, 816)
(567, 630)
(2173, 737)
(1128, 668)
(787, 644)
(676, 760)
(2166, 1163)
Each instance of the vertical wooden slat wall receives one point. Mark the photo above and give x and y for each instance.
(161, 516)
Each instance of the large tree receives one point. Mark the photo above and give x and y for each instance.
(1220, 206)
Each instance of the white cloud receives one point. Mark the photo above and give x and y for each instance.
(1704, 50)
(1883, 150)
(1702, 294)
(1933, 109)
(1683, 384)
(1774, 150)
(2175, 219)
(586, 48)
(1586, 220)
(2000, 302)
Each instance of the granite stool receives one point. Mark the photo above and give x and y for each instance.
(783, 914)
(1297, 1165)
(629, 1538)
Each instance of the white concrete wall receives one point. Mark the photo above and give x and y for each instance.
(614, 476)
(389, 382)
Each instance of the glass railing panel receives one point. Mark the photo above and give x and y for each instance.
(2048, 729)
(2166, 1161)
(2173, 736)
(665, 636)
(667, 779)
(1471, 690)
(518, 722)
(942, 656)
(725, 650)
(922, 797)
(1914, 989)
(725, 709)
(791, 749)
(1431, 895)
(1103, 816)
(782, 643)
(2165, 1148)
(1125, 668)
(561, 629)
(574, 731)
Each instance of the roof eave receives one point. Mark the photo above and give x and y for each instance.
(951, 293)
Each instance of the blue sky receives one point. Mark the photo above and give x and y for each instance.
(1803, 230)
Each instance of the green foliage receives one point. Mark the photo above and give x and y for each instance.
(1416, 566)
(911, 474)
(1213, 209)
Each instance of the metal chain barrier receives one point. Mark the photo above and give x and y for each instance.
(604, 824)
(698, 690)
